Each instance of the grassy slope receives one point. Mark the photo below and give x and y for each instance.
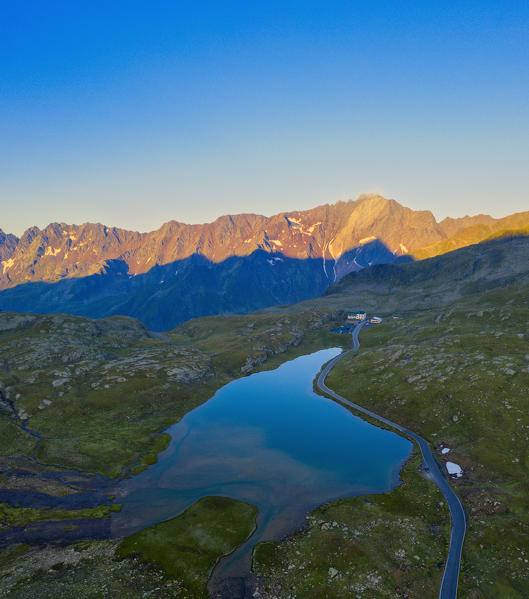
(467, 236)
(83, 570)
(459, 377)
(99, 392)
(434, 282)
(516, 224)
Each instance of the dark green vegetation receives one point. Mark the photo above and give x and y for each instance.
(91, 397)
(22, 516)
(187, 547)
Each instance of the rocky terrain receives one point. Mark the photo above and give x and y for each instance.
(168, 295)
(63, 251)
(236, 264)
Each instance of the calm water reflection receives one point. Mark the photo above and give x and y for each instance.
(268, 439)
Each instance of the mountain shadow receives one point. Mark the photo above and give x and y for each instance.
(496, 263)
(168, 295)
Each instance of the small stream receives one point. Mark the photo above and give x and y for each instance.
(271, 440)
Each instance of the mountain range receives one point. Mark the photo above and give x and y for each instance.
(235, 264)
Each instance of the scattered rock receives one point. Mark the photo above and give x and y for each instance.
(59, 382)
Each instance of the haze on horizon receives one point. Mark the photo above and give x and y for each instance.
(132, 116)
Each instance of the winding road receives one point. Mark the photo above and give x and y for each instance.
(448, 588)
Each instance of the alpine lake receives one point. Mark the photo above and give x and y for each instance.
(270, 440)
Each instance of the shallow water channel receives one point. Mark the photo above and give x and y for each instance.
(269, 439)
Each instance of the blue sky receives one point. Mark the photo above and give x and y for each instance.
(134, 113)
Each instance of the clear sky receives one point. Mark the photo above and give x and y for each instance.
(134, 113)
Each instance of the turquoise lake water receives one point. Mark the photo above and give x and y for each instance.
(269, 439)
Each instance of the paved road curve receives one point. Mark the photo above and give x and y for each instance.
(448, 588)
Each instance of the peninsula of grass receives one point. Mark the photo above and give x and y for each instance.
(188, 546)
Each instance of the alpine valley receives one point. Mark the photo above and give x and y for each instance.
(97, 406)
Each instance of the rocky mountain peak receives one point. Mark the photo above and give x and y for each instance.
(330, 232)
(8, 244)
